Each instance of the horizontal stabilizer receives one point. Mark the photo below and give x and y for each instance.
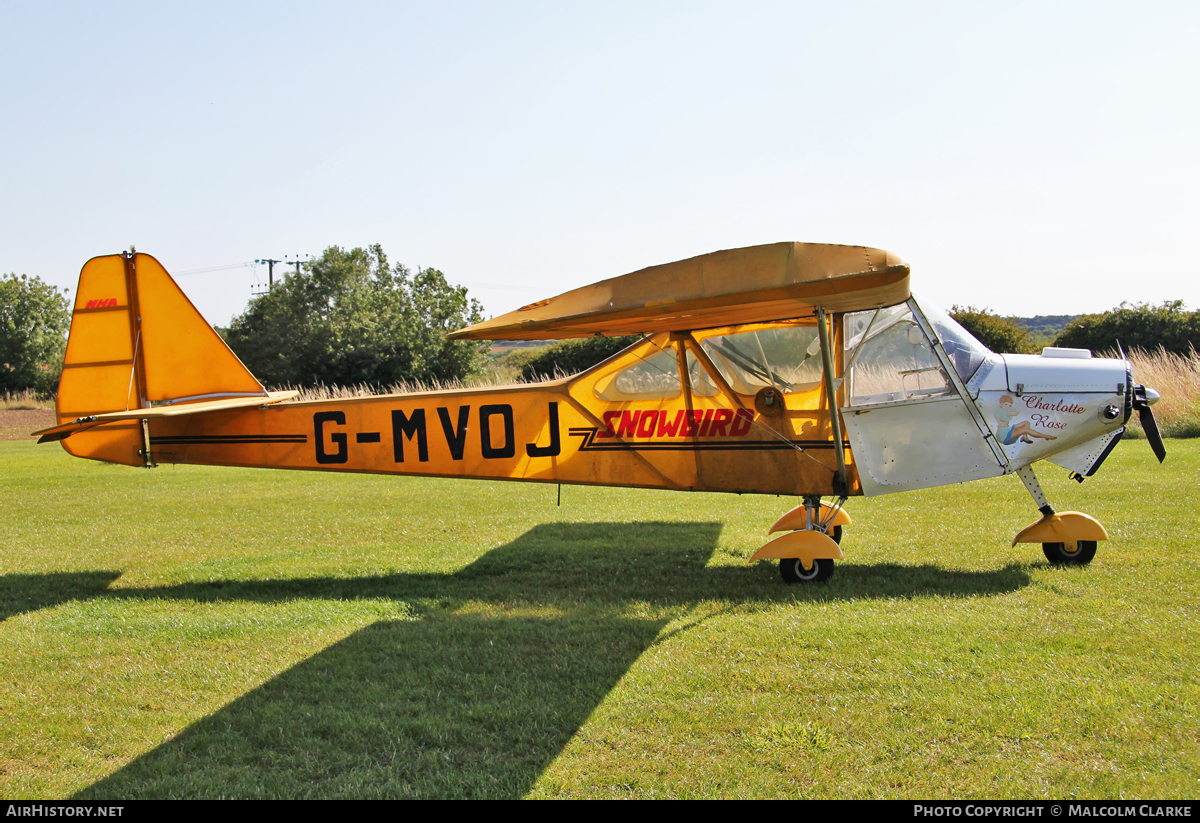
(65, 430)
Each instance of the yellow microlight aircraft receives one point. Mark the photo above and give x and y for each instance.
(793, 368)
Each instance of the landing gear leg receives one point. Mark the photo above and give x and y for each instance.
(821, 518)
(1035, 490)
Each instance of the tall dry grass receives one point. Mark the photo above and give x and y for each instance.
(1176, 378)
(27, 399)
(493, 377)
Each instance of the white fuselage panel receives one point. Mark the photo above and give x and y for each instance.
(1039, 373)
(908, 446)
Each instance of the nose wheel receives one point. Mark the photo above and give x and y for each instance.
(1070, 553)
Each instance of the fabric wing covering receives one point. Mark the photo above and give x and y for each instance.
(725, 288)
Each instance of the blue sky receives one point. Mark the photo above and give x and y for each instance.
(1035, 158)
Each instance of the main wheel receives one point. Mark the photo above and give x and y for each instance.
(1076, 553)
(836, 534)
(793, 571)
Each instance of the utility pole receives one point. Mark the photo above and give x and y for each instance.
(296, 262)
(270, 272)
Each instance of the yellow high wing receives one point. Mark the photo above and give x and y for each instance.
(757, 284)
(728, 391)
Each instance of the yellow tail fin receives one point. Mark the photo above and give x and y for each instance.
(136, 340)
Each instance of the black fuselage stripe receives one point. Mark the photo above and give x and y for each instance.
(200, 440)
(589, 444)
(701, 447)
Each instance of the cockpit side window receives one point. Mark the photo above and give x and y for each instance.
(892, 359)
(787, 358)
(655, 376)
(702, 384)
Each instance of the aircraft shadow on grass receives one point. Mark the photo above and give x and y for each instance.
(20, 593)
(453, 704)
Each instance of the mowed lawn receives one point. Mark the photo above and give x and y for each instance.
(205, 632)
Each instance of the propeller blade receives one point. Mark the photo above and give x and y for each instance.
(1150, 427)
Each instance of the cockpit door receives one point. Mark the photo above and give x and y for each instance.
(908, 423)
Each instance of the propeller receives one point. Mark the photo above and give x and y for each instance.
(1143, 399)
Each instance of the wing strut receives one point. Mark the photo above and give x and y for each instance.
(840, 486)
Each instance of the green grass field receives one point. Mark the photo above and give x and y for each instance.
(197, 632)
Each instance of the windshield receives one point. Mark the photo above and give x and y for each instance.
(964, 351)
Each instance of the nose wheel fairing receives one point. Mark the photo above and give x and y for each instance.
(1063, 527)
(830, 516)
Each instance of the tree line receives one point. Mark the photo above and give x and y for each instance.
(1142, 326)
(352, 318)
(34, 319)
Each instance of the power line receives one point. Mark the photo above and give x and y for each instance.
(211, 269)
(251, 264)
